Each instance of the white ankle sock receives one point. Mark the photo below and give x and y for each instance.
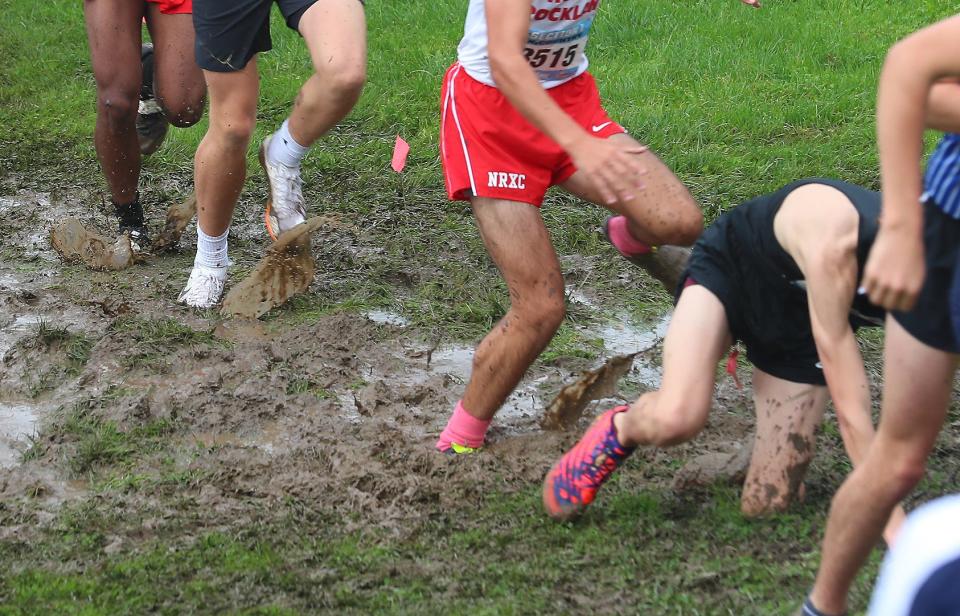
(211, 251)
(284, 149)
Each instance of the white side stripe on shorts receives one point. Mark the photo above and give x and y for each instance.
(452, 102)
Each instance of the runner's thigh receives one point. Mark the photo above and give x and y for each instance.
(113, 33)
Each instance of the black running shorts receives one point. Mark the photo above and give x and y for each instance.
(929, 321)
(230, 32)
(773, 325)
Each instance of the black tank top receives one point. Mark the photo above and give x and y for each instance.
(748, 235)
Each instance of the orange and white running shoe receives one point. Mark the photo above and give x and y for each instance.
(285, 206)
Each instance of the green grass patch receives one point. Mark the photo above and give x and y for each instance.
(98, 443)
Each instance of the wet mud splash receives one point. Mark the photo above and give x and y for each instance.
(77, 244)
(179, 216)
(286, 270)
(566, 409)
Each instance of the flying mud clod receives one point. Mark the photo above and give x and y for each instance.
(565, 410)
(286, 269)
(178, 217)
(74, 243)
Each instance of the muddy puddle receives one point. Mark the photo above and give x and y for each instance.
(342, 410)
(17, 424)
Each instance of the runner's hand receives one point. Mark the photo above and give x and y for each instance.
(611, 166)
(895, 269)
(754, 3)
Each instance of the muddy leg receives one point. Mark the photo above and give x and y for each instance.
(178, 81)
(519, 244)
(788, 415)
(663, 212)
(113, 32)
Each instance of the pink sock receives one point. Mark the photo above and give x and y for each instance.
(463, 429)
(622, 240)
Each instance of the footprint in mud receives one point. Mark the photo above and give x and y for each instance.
(179, 216)
(75, 243)
(286, 270)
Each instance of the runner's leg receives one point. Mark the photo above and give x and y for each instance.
(788, 415)
(696, 340)
(663, 212)
(519, 244)
(335, 32)
(336, 35)
(220, 161)
(113, 33)
(917, 384)
(178, 81)
(219, 172)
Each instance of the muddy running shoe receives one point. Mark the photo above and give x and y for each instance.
(574, 480)
(665, 263)
(285, 206)
(130, 219)
(204, 287)
(151, 123)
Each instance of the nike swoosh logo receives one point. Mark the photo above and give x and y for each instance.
(599, 128)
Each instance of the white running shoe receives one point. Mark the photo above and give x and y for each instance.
(285, 208)
(204, 287)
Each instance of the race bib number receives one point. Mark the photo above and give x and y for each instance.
(558, 54)
(552, 57)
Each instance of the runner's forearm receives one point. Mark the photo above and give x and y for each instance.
(519, 84)
(909, 72)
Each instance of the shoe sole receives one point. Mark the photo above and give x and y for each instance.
(266, 213)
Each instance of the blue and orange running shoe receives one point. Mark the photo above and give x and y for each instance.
(574, 480)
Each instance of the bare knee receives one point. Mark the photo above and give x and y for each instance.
(904, 475)
(761, 500)
(118, 107)
(672, 423)
(544, 314)
(689, 226)
(344, 79)
(235, 132)
(183, 114)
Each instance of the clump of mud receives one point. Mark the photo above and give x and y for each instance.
(566, 409)
(716, 467)
(179, 216)
(75, 243)
(286, 270)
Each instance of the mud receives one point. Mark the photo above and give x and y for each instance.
(566, 409)
(77, 244)
(718, 467)
(179, 216)
(338, 412)
(667, 265)
(286, 270)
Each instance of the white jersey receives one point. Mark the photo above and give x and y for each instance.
(555, 43)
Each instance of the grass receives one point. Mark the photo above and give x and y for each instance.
(736, 101)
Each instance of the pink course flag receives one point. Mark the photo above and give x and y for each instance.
(400, 151)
